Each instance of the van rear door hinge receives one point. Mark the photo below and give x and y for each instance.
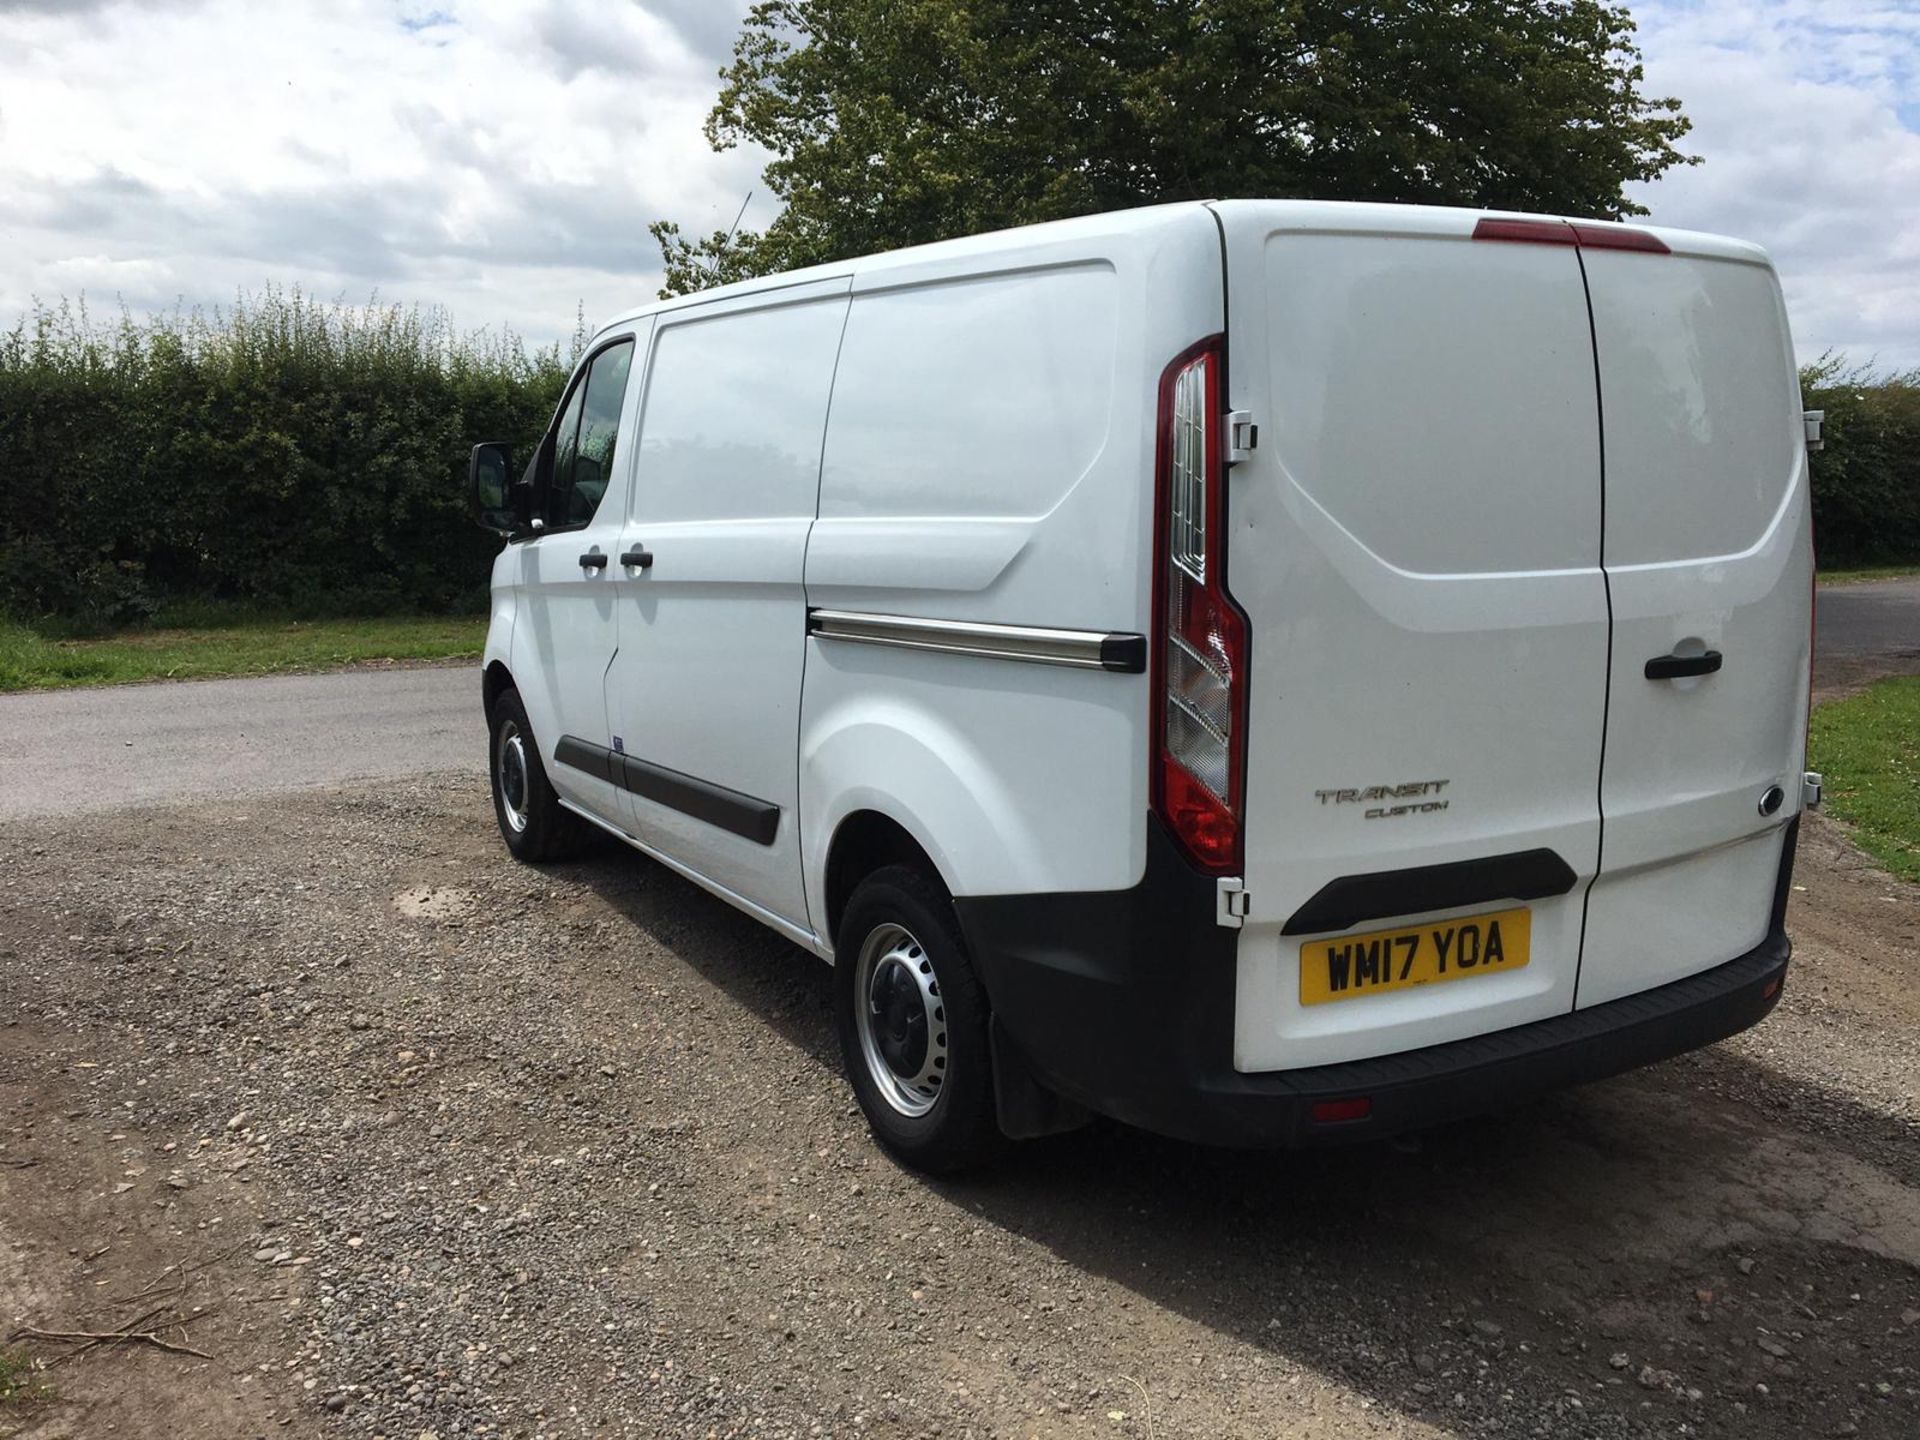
(1242, 436)
(1231, 903)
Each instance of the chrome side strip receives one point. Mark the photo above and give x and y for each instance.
(1082, 649)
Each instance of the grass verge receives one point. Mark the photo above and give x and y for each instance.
(20, 1383)
(31, 659)
(1865, 573)
(1868, 747)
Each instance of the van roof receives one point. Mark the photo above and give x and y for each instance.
(1308, 216)
(1084, 227)
(1334, 217)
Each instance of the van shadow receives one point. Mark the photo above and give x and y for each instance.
(785, 987)
(1519, 1250)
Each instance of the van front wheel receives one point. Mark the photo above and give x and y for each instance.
(913, 1023)
(532, 820)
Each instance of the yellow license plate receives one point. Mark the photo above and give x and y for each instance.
(1384, 960)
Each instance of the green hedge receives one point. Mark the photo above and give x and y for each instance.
(286, 453)
(1866, 483)
(312, 457)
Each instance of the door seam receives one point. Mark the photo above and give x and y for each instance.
(806, 645)
(1606, 587)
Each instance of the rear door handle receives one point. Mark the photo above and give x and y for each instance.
(593, 560)
(1678, 667)
(638, 558)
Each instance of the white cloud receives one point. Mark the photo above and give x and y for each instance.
(504, 158)
(1805, 112)
(498, 158)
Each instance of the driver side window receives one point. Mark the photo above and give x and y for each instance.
(566, 431)
(583, 439)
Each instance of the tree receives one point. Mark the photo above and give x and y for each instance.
(894, 122)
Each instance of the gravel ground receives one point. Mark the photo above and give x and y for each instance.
(415, 1142)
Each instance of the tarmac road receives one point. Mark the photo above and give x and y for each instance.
(77, 751)
(1880, 617)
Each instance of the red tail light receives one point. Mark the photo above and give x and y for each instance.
(1199, 634)
(1813, 614)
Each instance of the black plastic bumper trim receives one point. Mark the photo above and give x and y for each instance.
(1123, 1002)
(1341, 904)
(1468, 1077)
(738, 814)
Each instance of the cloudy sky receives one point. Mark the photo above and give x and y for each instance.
(504, 157)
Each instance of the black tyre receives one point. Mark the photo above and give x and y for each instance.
(913, 1023)
(532, 821)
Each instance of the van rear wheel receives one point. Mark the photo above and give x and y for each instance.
(532, 820)
(913, 1023)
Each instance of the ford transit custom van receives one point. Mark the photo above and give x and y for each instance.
(1271, 673)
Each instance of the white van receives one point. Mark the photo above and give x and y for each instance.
(1269, 672)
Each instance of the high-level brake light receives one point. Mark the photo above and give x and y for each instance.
(1618, 237)
(1585, 234)
(1531, 232)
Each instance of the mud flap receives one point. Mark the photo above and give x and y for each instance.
(1025, 1108)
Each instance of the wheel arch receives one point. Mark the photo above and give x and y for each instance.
(494, 680)
(920, 790)
(865, 841)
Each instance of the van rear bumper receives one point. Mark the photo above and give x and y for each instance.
(1122, 1002)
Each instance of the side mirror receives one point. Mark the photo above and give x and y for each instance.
(495, 503)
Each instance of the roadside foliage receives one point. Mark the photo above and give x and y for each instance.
(284, 452)
(312, 458)
(1866, 482)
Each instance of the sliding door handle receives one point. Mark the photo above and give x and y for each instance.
(1679, 667)
(638, 558)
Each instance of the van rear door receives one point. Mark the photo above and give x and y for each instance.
(1416, 540)
(1708, 554)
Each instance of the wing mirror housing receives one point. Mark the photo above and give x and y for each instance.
(496, 503)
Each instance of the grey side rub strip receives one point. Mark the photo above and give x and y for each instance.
(1083, 649)
(742, 815)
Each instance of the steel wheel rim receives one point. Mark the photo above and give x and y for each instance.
(510, 777)
(901, 1020)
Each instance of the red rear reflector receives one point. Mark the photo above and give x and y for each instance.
(1772, 989)
(1335, 1112)
(1619, 237)
(1563, 232)
(1532, 232)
